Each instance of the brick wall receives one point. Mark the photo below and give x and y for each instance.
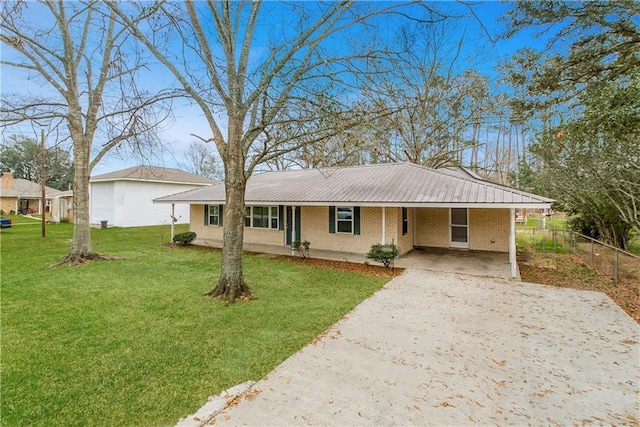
(8, 204)
(489, 230)
(213, 232)
(432, 227)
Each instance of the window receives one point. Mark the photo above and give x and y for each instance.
(344, 220)
(261, 217)
(274, 217)
(214, 215)
(405, 221)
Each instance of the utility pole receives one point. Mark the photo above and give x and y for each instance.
(43, 174)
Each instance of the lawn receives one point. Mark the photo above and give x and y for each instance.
(133, 342)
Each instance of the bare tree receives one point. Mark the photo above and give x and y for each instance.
(84, 63)
(436, 105)
(201, 159)
(254, 68)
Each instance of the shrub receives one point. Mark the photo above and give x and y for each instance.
(302, 248)
(384, 254)
(184, 238)
(2, 212)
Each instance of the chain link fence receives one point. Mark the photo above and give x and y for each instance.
(619, 265)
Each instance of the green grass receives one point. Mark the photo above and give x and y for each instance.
(133, 342)
(542, 243)
(21, 220)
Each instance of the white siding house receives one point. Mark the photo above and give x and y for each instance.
(124, 198)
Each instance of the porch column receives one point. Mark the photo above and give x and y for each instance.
(173, 220)
(384, 225)
(293, 228)
(512, 244)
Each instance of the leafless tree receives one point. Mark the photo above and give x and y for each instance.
(202, 160)
(255, 69)
(436, 104)
(84, 63)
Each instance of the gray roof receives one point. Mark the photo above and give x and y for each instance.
(26, 189)
(153, 174)
(389, 184)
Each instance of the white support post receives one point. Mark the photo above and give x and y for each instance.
(512, 244)
(173, 220)
(384, 226)
(293, 228)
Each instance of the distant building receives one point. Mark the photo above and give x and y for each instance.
(21, 196)
(124, 198)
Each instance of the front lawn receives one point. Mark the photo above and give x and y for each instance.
(133, 342)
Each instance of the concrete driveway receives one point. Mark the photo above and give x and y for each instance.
(450, 349)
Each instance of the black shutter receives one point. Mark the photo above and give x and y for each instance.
(206, 214)
(220, 215)
(356, 220)
(332, 219)
(281, 217)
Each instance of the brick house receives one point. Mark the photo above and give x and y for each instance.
(22, 196)
(348, 209)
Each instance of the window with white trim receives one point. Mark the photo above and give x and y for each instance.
(261, 217)
(344, 220)
(214, 215)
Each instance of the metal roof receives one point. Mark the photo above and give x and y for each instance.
(154, 174)
(389, 184)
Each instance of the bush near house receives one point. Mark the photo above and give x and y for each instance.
(302, 248)
(384, 254)
(184, 238)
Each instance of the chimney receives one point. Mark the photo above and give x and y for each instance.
(7, 181)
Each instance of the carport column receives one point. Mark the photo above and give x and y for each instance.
(384, 226)
(512, 244)
(173, 219)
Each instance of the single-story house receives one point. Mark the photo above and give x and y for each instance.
(21, 196)
(124, 198)
(349, 209)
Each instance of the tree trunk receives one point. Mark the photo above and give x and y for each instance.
(81, 250)
(231, 284)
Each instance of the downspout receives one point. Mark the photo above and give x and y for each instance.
(512, 244)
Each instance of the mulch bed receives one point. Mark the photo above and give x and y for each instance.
(570, 271)
(367, 269)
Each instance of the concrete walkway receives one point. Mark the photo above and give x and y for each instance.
(451, 349)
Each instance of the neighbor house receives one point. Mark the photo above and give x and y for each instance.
(124, 198)
(22, 196)
(348, 209)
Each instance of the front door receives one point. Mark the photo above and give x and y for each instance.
(459, 220)
(290, 223)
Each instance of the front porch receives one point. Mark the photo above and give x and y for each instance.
(477, 263)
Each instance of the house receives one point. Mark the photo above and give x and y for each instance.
(22, 196)
(349, 209)
(124, 198)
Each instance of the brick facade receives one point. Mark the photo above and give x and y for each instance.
(488, 229)
(9, 204)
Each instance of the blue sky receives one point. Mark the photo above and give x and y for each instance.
(478, 53)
